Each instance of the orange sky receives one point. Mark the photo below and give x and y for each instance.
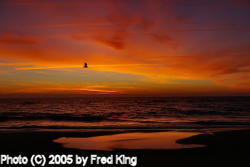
(132, 47)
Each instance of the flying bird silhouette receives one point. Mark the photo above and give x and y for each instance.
(85, 65)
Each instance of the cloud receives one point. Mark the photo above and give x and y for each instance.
(11, 39)
(183, 30)
(142, 23)
(115, 40)
(239, 87)
(76, 3)
(165, 39)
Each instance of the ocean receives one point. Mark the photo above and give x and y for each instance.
(125, 113)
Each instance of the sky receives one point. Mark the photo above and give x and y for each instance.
(132, 47)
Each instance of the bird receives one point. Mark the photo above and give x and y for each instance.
(85, 65)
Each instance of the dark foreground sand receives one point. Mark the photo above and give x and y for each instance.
(223, 149)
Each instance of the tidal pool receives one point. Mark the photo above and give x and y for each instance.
(137, 140)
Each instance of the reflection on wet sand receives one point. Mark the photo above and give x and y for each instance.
(138, 140)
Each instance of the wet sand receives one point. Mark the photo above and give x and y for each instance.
(225, 148)
(129, 140)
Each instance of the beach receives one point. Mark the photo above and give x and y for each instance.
(146, 131)
(222, 148)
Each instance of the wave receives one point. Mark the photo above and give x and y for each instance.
(55, 117)
(221, 123)
(58, 127)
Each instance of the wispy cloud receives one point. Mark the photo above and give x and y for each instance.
(115, 40)
(128, 24)
(165, 39)
(11, 39)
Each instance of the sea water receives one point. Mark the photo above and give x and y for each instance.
(125, 113)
